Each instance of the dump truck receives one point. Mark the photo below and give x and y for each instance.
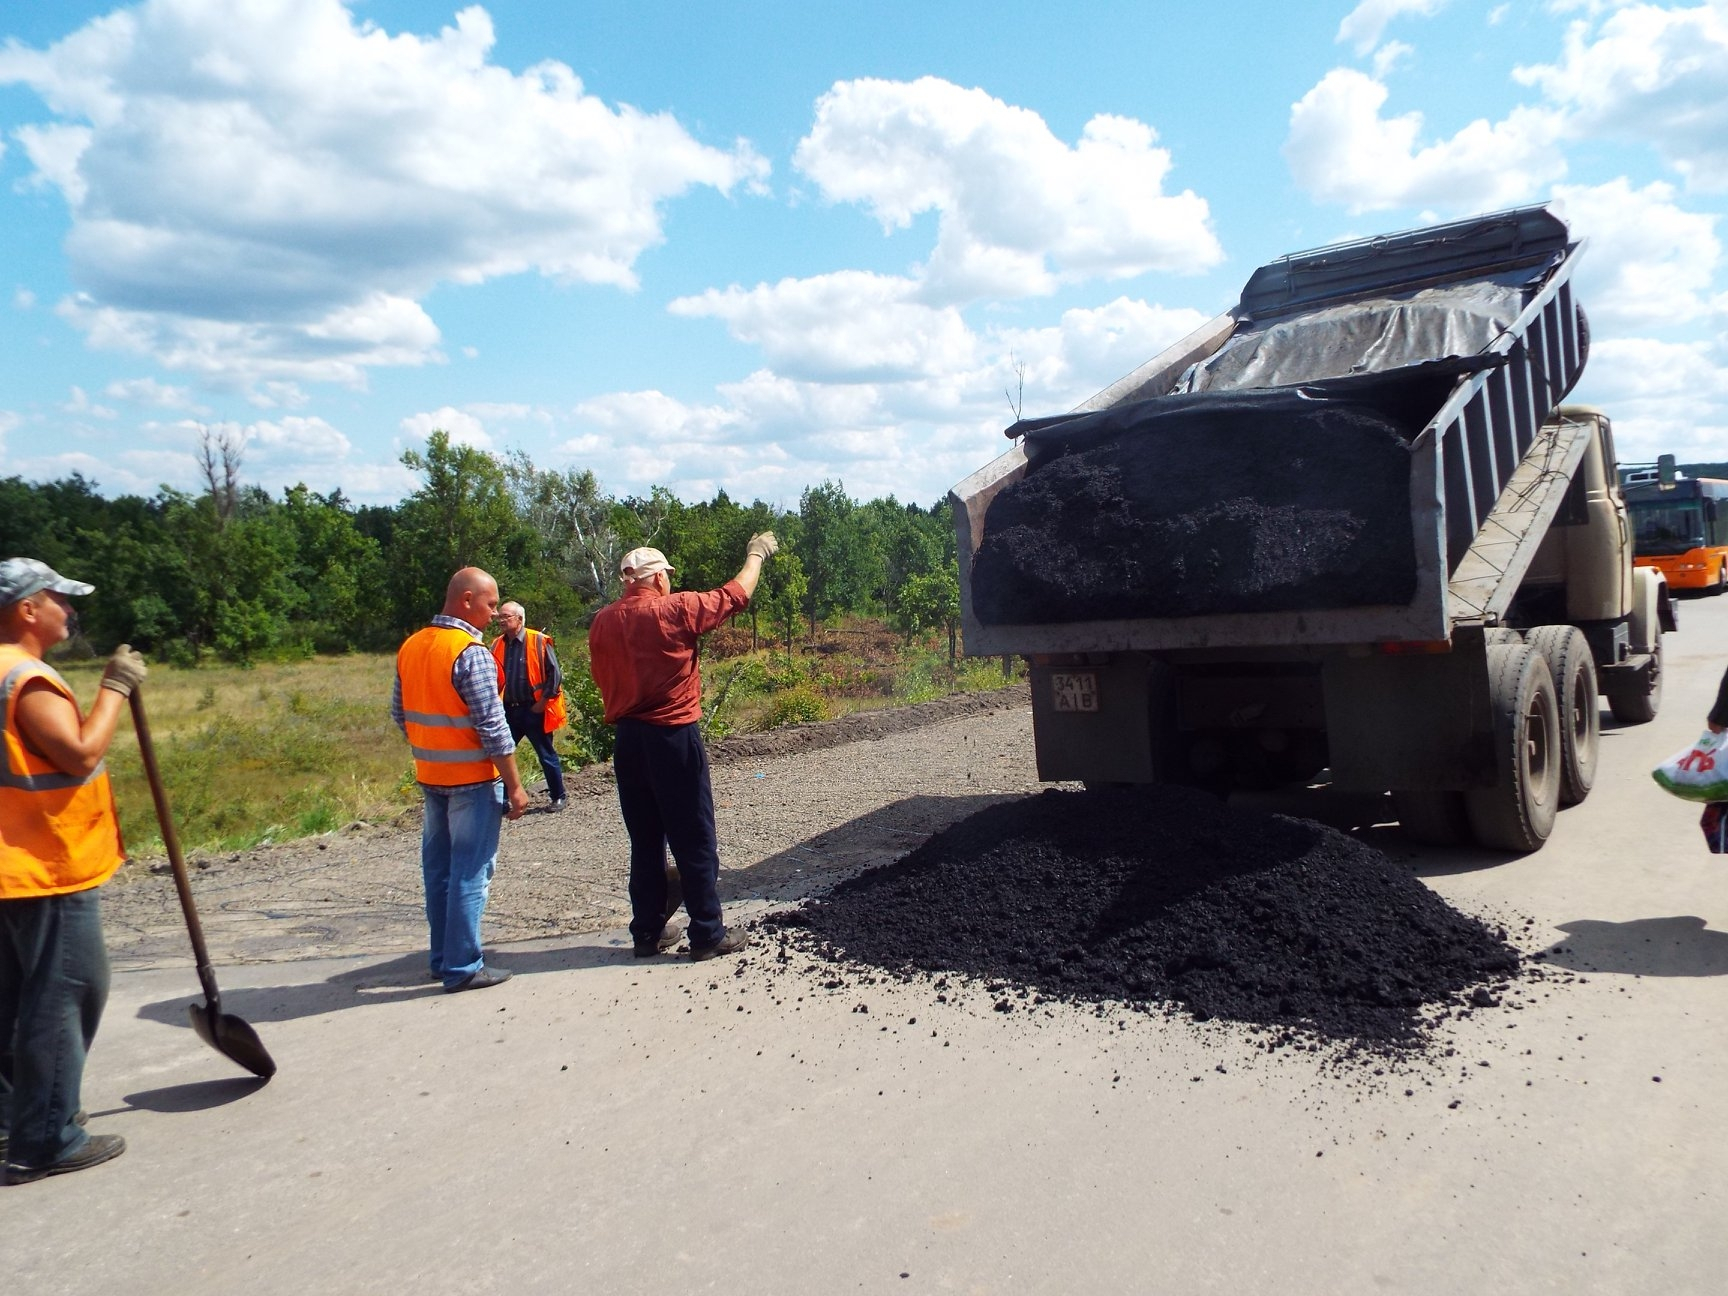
(1347, 531)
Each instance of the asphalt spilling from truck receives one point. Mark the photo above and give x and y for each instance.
(1166, 899)
(1171, 509)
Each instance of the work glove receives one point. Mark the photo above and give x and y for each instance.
(762, 545)
(125, 671)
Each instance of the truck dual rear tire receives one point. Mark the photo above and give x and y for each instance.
(1517, 813)
(1567, 653)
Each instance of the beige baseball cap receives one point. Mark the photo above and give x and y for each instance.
(639, 564)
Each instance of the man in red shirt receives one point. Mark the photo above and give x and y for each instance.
(642, 652)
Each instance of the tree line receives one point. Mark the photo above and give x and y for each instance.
(235, 572)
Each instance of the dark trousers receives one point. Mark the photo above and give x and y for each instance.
(663, 790)
(526, 722)
(53, 985)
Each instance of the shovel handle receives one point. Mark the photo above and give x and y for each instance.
(171, 842)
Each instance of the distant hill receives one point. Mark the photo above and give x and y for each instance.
(1705, 469)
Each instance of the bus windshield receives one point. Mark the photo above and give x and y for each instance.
(1664, 527)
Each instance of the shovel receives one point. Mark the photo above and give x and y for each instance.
(224, 1032)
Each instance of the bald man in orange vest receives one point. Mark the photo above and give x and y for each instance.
(446, 704)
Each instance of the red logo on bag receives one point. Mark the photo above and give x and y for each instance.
(1700, 762)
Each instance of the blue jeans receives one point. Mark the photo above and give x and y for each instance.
(53, 985)
(526, 722)
(458, 850)
(666, 799)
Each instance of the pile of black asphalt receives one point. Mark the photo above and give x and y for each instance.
(1165, 898)
(1201, 505)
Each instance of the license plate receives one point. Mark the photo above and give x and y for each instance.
(1074, 690)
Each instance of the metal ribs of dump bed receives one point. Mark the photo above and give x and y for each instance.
(1459, 465)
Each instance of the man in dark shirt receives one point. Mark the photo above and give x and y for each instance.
(533, 689)
(642, 651)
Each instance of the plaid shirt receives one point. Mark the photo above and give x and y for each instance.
(475, 676)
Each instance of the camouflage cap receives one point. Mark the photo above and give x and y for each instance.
(22, 577)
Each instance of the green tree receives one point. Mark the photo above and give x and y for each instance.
(462, 516)
(841, 562)
(576, 542)
(340, 572)
(928, 601)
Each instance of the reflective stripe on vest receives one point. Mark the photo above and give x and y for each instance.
(534, 652)
(59, 832)
(447, 749)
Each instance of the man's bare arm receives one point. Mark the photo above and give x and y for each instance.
(51, 726)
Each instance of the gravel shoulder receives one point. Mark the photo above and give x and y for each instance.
(797, 808)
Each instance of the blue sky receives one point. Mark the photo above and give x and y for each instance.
(760, 246)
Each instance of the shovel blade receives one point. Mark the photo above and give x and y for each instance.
(233, 1038)
(674, 889)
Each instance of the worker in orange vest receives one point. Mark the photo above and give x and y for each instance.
(446, 704)
(59, 842)
(533, 691)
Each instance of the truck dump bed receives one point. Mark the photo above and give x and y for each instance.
(1464, 335)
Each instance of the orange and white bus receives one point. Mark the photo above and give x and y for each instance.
(1682, 531)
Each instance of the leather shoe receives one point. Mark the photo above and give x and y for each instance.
(97, 1149)
(484, 979)
(80, 1118)
(730, 943)
(669, 936)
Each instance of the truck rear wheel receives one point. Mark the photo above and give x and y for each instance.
(1517, 813)
(1432, 816)
(1567, 653)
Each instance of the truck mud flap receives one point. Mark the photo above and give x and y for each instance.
(1092, 723)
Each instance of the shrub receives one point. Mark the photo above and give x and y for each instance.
(799, 705)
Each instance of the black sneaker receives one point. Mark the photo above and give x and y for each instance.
(669, 936)
(557, 805)
(730, 943)
(97, 1149)
(484, 979)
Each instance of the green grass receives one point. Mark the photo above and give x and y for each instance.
(264, 754)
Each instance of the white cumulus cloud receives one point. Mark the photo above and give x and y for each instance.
(156, 395)
(1649, 263)
(463, 427)
(1651, 74)
(911, 434)
(264, 191)
(850, 325)
(1366, 23)
(1018, 210)
(1664, 397)
(1341, 148)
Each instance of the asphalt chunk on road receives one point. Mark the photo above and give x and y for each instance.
(1165, 897)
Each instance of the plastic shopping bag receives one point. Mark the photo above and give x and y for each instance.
(1700, 773)
(1715, 826)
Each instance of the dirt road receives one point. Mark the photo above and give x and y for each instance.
(891, 777)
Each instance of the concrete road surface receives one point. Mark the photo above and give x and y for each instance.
(601, 1124)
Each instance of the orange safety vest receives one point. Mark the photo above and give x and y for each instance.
(536, 651)
(59, 832)
(447, 748)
